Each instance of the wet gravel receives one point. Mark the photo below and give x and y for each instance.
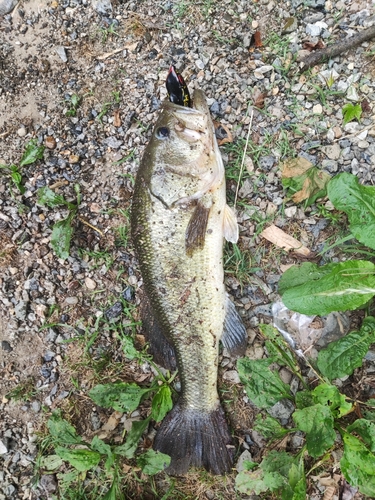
(115, 58)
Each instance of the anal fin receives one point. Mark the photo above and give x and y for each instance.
(161, 349)
(234, 336)
(230, 225)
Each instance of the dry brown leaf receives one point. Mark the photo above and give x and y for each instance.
(112, 422)
(258, 98)
(365, 105)
(329, 492)
(116, 118)
(256, 40)
(283, 240)
(295, 167)
(310, 46)
(223, 134)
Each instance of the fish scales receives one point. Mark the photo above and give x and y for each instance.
(179, 220)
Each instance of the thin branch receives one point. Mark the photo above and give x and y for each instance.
(337, 48)
(243, 157)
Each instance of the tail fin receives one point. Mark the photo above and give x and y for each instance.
(195, 439)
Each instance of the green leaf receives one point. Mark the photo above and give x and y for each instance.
(153, 462)
(161, 403)
(269, 427)
(48, 197)
(81, 459)
(129, 447)
(51, 462)
(333, 287)
(277, 348)
(330, 396)
(60, 239)
(32, 153)
(358, 465)
(317, 422)
(17, 179)
(67, 478)
(127, 344)
(257, 482)
(277, 461)
(358, 202)
(61, 430)
(303, 399)
(351, 112)
(264, 387)
(366, 430)
(99, 445)
(343, 356)
(120, 396)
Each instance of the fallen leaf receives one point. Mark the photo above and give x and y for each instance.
(116, 118)
(310, 46)
(365, 105)
(258, 98)
(112, 422)
(283, 240)
(256, 40)
(295, 167)
(314, 184)
(223, 134)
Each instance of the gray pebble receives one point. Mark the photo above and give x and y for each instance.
(60, 51)
(282, 410)
(36, 406)
(21, 310)
(112, 142)
(7, 6)
(103, 7)
(114, 311)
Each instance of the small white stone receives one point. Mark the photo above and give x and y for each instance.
(290, 211)
(71, 300)
(352, 94)
(254, 24)
(317, 109)
(91, 285)
(362, 136)
(3, 448)
(232, 376)
(21, 132)
(363, 144)
(330, 135)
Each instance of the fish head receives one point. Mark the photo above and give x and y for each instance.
(182, 152)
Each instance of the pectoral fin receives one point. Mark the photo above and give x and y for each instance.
(230, 226)
(234, 336)
(196, 230)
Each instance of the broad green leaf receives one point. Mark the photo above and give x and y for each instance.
(61, 430)
(32, 153)
(161, 403)
(48, 197)
(330, 396)
(269, 427)
(65, 479)
(341, 287)
(130, 351)
(277, 461)
(51, 462)
(120, 396)
(264, 387)
(299, 492)
(358, 202)
(343, 356)
(317, 422)
(277, 347)
(153, 462)
(99, 445)
(303, 399)
(17, 179)
(351, 111)
(129, 447)
(358, 465)
(366, 430)
(257, 482)
(81, 459)
(60, 239)
(299, 275)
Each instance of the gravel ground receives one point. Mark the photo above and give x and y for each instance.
(115, 58)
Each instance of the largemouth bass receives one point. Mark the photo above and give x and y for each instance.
(179, 221)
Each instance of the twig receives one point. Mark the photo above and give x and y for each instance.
(354, 134)
(337, 48)
(243, 157)
(92, 227)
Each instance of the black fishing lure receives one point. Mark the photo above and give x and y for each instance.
(177, 88)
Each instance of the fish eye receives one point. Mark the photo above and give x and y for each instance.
(162, 133)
